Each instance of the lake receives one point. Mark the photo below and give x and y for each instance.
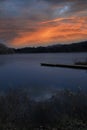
(24, 72)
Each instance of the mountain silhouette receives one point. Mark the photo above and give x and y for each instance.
(74, 47)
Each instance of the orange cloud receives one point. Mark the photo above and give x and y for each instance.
(62, 30)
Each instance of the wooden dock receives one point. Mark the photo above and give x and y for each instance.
(84, 67)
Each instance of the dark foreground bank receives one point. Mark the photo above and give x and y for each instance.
(66, 110)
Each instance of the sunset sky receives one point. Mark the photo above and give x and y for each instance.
(42, 22)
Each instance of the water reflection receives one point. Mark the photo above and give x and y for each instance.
(24, 71)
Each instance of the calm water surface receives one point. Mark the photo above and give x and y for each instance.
(25, 72)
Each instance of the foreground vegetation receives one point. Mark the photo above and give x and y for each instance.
(66, 110)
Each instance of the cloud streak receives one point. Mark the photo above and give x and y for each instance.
(42, 22)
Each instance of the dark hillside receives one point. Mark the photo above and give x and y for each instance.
(5, 50)
(75, 47)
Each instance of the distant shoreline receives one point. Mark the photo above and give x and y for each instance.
(66, 48)
(41, 53)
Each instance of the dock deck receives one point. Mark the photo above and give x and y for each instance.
(65, 66)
